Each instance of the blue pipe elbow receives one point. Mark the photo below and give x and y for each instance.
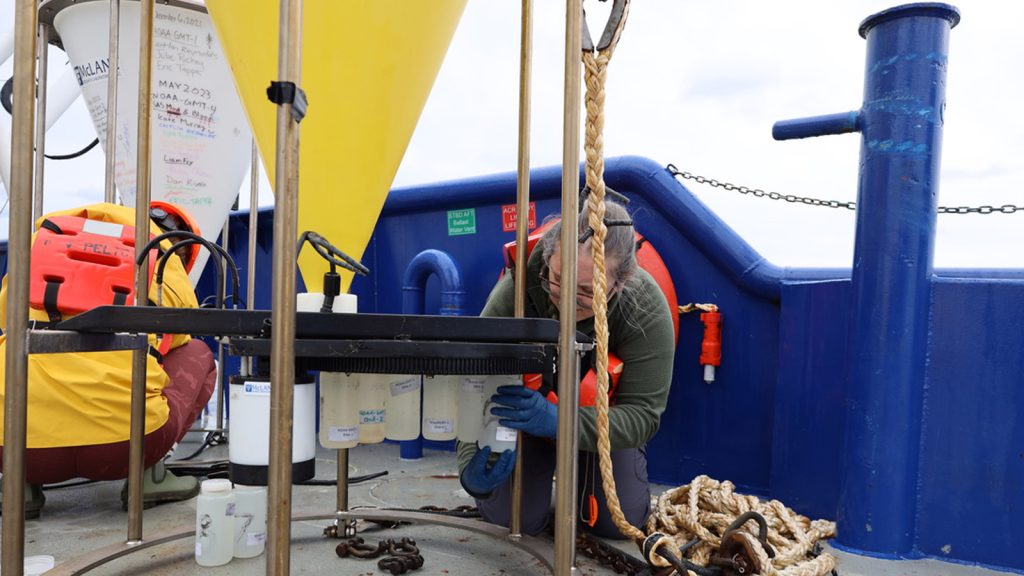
(414, 287)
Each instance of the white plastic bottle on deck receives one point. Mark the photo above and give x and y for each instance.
(215, 523)
(440, 406)
(250, 521)
(373, 397)
(493, 434)
(403, 406)
(339, 394)
(471, 408)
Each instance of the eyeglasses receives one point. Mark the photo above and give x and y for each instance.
(584, 300)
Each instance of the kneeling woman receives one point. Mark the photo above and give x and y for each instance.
(79, 404)
(640, 334)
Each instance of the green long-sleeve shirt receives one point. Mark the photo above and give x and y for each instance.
(639, 332)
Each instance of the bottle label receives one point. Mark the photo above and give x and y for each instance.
(473, 385)
(371, 416)
(439, 426)
(230, 509)
(257, 388)
(405, 386)
(255, 539)
(343, 433)
(503, 434)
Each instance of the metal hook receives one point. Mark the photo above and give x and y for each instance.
(614, 19)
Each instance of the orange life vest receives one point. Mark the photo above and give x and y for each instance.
(648, 259)
(79, 264)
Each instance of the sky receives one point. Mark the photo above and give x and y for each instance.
(699, 85)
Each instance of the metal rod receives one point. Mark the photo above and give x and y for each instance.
(218, 391)
(282, 359)
(345, 525)
(42, 46)
(109, 193)
(250, 271)
(142, 194)
(522, 226)
(19, 241)
(568, 361)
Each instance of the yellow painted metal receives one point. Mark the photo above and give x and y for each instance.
(367, 69)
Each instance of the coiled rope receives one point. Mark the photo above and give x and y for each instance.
(704, 509)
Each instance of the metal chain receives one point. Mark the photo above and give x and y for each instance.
(1004, 209)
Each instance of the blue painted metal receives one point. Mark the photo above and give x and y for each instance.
(842, 123)
(901, 124)
(427, 264)
(904, 96)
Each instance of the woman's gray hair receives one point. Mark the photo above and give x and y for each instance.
(619, 244)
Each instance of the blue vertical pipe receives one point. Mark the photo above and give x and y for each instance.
(414, 287)
(901, 124)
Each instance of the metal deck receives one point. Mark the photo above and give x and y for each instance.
(81, 519)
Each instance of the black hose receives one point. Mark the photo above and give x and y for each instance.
(7, 91)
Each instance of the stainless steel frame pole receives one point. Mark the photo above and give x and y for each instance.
(19, 241)
(110, 139)
(42, 46)
(250, 271)
(522, 226)
(136, 453)
(568, 359)
(218, 389)
(282, 359)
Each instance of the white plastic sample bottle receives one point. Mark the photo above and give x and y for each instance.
(440, 407)
(215, 523)
(471, 408)
(373, 397)
(339, 394)
(250, 521)
(339, 410)
(493, 434)
(402, 406)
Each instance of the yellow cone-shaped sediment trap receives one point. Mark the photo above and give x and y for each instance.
(367, 68)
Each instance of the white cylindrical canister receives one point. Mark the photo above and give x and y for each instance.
(339, 392)
(403, 406)
(373, 397)
(471, 408)
(440, 406)
(215, 517)
(250, 521)
(249, 429)
(493, 434)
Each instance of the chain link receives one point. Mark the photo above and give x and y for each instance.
(792, 198)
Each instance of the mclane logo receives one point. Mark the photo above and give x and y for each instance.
(262, 388)
(90, 71)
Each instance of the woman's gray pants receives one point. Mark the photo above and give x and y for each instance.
(630, 471)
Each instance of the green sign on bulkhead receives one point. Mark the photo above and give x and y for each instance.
(462, 222)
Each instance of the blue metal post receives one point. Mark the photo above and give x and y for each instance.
(902, 118)
(901, 126)
(414, 287)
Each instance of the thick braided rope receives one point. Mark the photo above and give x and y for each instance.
(705, 508)
(596, 70)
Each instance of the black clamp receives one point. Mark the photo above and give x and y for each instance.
(288, 93)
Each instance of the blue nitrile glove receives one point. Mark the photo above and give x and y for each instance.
(527, 411)
(480, 480)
